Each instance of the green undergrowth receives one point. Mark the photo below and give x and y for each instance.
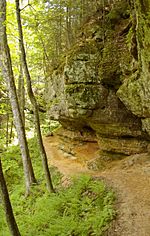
(83, 208)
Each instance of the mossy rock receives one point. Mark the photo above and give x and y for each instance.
(85, 96)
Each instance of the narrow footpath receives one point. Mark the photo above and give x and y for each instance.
(130, 179)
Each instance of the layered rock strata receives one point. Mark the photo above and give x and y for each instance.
(103, 84)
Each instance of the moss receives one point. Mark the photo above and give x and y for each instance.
(144, 6)
(134, 93)
(108, 67)
(83, 96)
(86, 47)
(115, 63)
(119, 10)
(143, 29)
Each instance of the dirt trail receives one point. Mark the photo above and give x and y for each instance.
(130, 178)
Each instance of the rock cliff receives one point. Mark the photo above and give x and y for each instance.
(103, 85)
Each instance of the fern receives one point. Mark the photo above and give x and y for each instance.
(84, 208)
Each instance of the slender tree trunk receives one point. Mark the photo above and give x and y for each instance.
(21, 91)
(11, 131)
(7, 121)
(33, 102)
(59, 29)
(6, 65)
(69, 26)
(14, 231)
(82, 15)
(7, 129)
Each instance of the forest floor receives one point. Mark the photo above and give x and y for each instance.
(130, 179)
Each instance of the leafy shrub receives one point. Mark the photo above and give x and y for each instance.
(50, 126)
(12, 166)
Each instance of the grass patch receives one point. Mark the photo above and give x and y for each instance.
(84, 208)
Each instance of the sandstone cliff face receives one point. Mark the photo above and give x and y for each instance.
(104, 83)
(135, 92)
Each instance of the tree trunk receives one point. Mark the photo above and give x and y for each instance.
(33, 102)
(21, 91)
(14, 231)
(11, 131)
(7, 121)
(70, 39)
(6, 65)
